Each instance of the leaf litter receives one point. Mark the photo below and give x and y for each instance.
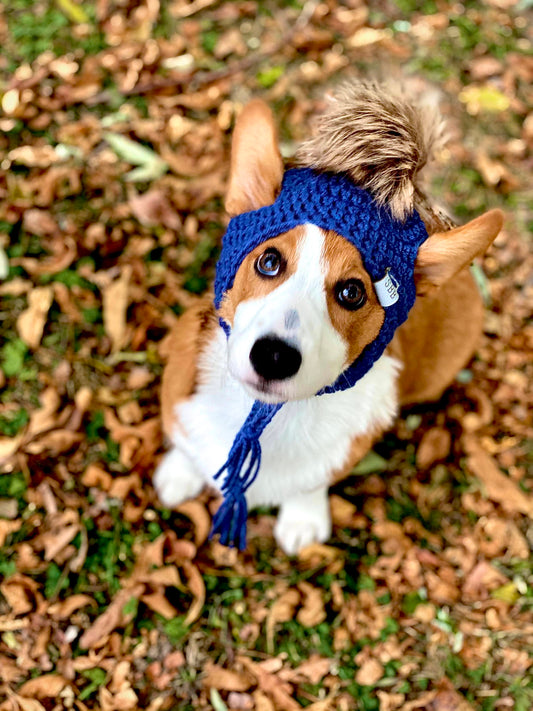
(115, 132)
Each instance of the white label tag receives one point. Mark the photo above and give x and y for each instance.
(387, 290)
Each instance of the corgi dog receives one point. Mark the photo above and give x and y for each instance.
(302, 305)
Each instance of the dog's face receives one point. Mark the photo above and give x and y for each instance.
(302, 306)
(301, 309)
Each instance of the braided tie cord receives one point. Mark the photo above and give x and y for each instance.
(242, 467)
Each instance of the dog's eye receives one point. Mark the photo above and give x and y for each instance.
(270, 263)
(350, 294)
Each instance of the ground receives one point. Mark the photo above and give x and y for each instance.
(115, 127)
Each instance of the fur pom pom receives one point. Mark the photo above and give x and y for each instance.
(380, 137)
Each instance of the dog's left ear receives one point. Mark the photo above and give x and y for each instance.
(256, 165)
(444, 254)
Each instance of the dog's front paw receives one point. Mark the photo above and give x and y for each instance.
(176, 479)
(302, 522)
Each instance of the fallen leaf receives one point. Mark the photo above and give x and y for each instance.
(217, 677)
(46, 686)
(434, 446)
(28, 704)
(31, 322)
(269, 683)
(369, 673)
(113, 617)
(483, 98)
(313, 669)
(497, 486)
(63, 610)
(7, 527)
(196, 587)
(281, 611)
(153, 208)
(115, 304)
(449, 700)
(312, 612)
(196, 512)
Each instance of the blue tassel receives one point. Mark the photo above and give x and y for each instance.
(242, 466)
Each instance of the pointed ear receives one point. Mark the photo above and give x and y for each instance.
(444, 254)
(256, 165)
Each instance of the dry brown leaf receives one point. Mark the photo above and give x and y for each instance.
(434, 446)
(342, 512)
(367, 36)
(34, 156)
(312, 612)
(112, 618)
(54, 443)
(124, 700)
(217, 677)
(196, 512)
(196, 586)
(159, 603)
(262, 702)
(281, 611)
(46, 417)
(28, 704)
(115, 298)
(15, 591)
(313, 669)
(7, 527)
(449, 700)
(46, 686)
(63, 610)
(270, 684)
(497, 486)
(39, 222)
(480, 581)
(10, 672)
(31, 322)
(153, 208)
(64, 253)
(8, 508)
(8, 447)
(167, 576)
(96, 475)
(369, 673)
(55, 541)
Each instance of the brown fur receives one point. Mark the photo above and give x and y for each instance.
(381, 139)
(187, 339)
(357, 328)
(256, 165)
(248, 284)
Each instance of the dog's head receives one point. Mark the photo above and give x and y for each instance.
(302, 306)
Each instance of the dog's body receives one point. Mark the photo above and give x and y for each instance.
(294, 329)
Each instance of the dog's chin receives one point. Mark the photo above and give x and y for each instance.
(266, 391)
(273, 392)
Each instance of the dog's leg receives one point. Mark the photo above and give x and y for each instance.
(302, 520)
(176, 479)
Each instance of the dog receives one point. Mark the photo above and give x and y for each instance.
(301, 306)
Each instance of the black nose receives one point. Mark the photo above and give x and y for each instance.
(274, 359)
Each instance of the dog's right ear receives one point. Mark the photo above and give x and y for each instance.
(444, 254)
(256, 165)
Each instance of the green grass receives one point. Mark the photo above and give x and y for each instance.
(36, 26)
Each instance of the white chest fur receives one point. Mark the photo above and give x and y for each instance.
(306, 441)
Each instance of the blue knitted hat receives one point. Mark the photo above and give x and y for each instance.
(388, 248)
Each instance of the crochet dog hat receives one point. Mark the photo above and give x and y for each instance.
(388, 247)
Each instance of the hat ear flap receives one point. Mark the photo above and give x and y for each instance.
(444, 254)
(256, 165)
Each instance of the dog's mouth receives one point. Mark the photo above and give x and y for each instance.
(269, 391)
